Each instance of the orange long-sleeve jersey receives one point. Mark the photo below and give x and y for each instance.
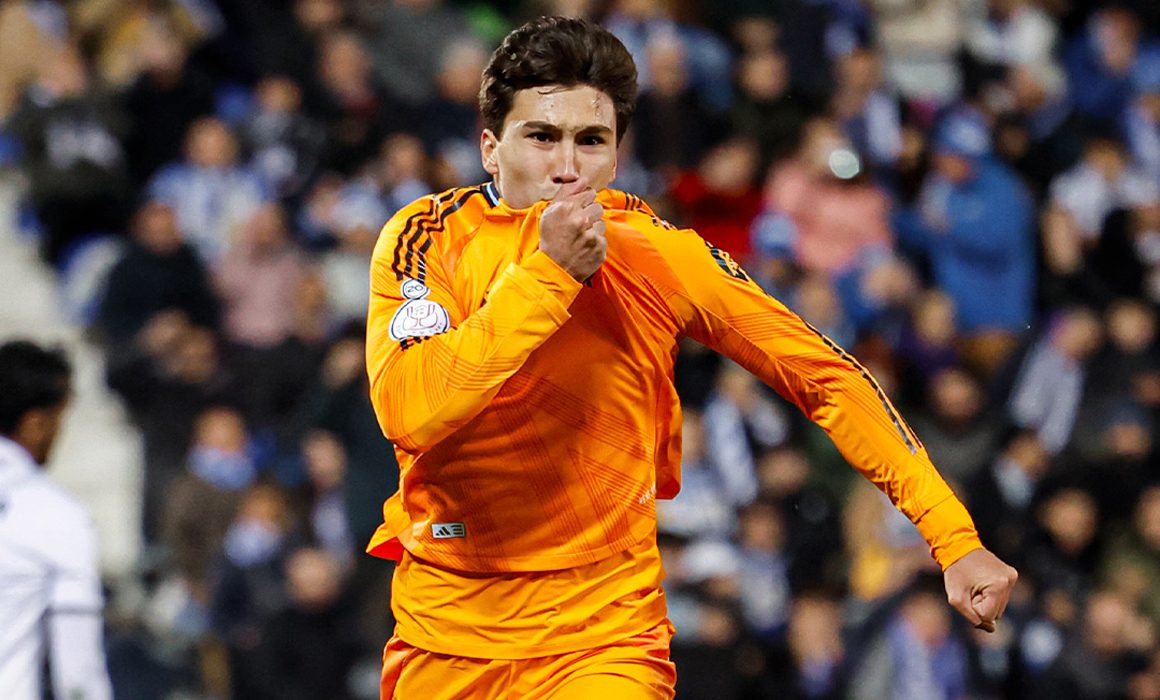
(535, 418)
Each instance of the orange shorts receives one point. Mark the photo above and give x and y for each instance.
(637, 668)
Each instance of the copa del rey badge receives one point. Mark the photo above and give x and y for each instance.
(418, 316)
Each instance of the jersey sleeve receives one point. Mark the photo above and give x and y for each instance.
(433, 363)
(723, 308)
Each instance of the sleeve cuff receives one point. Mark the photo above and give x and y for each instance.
(949, 531)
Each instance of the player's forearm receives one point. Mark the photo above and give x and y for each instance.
(436, 384)
(842, 397)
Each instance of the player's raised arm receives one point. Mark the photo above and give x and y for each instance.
(730, 313)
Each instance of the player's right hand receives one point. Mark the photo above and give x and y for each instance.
(572, 230)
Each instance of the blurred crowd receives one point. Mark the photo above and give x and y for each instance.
(963, 193)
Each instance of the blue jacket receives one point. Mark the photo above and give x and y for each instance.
(984, 257)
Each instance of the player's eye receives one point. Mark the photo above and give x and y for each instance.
(591, 140)
(540, 136)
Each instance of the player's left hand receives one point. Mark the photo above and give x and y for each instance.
(978, 586)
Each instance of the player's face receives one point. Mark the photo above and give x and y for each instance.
(552, 136)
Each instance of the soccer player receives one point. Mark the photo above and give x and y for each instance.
(50, 589)
(520, 346)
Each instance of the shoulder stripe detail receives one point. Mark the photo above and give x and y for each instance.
(411, 229)
(415, 263)
(907, 433)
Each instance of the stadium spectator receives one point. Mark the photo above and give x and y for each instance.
(71, 133)
(284, 144)
(260, 270)
(670, 127)
(834, 215)
(409, 38)
(167, 379)
(868, 113)
(248, 586)
(311, 644)
(209, 191)
(959, 430)
(766, 109)
(1048, 389)
(720, 196)
(449, 120)
(974, 224)
(163, 97)
(158, 272)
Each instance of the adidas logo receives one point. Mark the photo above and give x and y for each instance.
(446, 531)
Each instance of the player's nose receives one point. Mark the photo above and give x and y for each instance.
(565, 170)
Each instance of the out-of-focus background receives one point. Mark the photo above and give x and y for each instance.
(962, 192)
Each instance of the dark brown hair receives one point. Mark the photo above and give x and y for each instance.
(558, 51)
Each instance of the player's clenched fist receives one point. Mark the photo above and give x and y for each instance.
(572, 230)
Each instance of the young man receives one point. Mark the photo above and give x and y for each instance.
(520, 346)
(50, 591)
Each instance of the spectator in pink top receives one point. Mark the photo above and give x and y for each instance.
(258, 278)
(819, 198)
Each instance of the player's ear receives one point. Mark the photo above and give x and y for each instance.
(487, 143)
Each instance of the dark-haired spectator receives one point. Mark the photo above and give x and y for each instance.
(265, 37)
(740, 421)
(927, 345)
(764, 590)
(71, 135)
(284, 144)
(1038, 131)
(702, 508)
(326, 511)
(1063, 550)
(766, 108)
(408, 39)
(357, 110)
(167, 378)
(449, 120)
(877, 293)
(720, 197)
(1048, 389)
(1005, 35)
(211, 193)
(158, 272)
(1003, 494)
(163, 99)
(958, 429)
(1100, 63)
(248, 589)
(868, 112)
(1102, 655)
(1102, 182)
(203, 501)
(637, 23)
(1131, 563)
(311, 643)
(916, 656)
(671, 124)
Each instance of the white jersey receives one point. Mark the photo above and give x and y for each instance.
(50, 592)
